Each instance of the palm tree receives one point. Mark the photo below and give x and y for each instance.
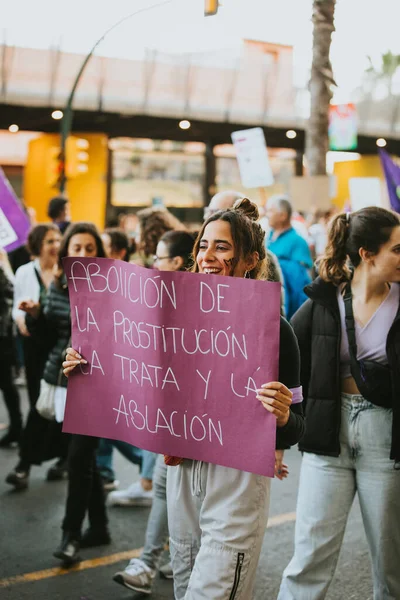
(317, 142)
(389, 64)
(380, 77)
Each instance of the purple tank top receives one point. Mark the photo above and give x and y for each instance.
(371, 339)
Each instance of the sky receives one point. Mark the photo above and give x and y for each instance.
(178, 26)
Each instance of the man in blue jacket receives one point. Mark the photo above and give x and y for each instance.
(291, 250)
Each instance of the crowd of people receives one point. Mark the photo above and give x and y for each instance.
(337, 394)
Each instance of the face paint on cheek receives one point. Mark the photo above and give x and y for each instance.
(230, 263)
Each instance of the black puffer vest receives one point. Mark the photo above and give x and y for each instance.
(318, 330)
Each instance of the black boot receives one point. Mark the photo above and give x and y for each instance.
(58, 471)
(19, 477)
(68, 551)
(11, 438)
(95, 537)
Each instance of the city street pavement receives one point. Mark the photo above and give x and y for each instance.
(30, 531)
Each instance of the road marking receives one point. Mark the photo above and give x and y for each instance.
(280, 519)
(109, 560)
(82, 566)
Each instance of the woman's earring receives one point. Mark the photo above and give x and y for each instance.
(247, 274)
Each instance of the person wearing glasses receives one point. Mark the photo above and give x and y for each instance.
(172, 254)
(174, 251)
(116, 246)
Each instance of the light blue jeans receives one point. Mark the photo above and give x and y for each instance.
(143, 458)
(326, 492)
(157, 525)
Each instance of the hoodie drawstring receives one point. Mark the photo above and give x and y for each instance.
(196, 477)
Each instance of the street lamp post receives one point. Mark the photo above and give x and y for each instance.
(66, 122)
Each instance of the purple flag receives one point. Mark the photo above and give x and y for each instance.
(392, 176)
(14, 223)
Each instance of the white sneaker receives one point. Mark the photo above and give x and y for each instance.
(166, 571)
(134, 495)
(137, 576)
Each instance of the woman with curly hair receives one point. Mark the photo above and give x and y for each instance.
(153, 223)
(217, 515)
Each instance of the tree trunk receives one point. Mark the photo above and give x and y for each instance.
(317, 142)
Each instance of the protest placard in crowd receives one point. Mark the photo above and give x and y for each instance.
(174, 361)
(14, 223)
(252, 156)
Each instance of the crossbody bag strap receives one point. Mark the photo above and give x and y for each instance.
(42, 287)
(349, 320)
(355, 367)
(39, 279)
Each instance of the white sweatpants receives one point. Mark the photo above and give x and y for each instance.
(217, 518)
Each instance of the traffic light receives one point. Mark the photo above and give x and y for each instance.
(76, 160)
(210, 7)
(76, 156)
(54, 165)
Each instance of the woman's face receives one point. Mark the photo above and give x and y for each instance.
(82, 245)
(387, 261)
(50, 245)
(162, 260)
(216, 255)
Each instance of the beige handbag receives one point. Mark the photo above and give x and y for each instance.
(45, 404)
(51, 402)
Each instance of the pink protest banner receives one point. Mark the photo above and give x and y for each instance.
(174, 361)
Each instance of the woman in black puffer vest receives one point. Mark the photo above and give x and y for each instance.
(349, 339)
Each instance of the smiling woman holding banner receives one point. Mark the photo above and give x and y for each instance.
(218, 515)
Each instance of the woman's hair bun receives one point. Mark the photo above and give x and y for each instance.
(248, 208)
